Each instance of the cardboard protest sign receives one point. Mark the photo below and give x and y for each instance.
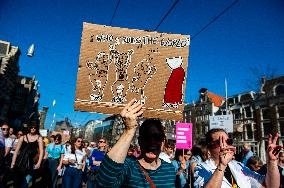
(184, 135)
(118, 64)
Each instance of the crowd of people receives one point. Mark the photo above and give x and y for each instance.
(27, 157)
(29, 160)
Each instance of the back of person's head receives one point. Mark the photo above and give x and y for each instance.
(208, 135)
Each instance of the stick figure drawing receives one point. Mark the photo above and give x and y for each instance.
(121, 84)
(99, 78)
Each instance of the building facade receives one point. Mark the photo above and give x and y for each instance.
(198, 113)
(19, 95)
(9, 69)
(255, 115)
(24, 106)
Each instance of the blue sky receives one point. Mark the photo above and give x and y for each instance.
(249, 34)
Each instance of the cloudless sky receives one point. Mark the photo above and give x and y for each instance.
(249, 34)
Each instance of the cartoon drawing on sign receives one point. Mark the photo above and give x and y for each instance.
(121, 85)
(100, 77)
(143, 72)
(174, 87)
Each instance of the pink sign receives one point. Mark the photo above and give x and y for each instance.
(184, 135)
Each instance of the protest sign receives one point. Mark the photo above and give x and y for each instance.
(222, 122)
(118, 64)
(184, 135)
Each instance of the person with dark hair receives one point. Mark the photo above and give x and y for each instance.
(75, 165)
(168, 150)
(54, 154)
(220, 170)
(95, 161)
(8, 141)
(27, 156)
(254, 163)
(116, 170)
(181, 167)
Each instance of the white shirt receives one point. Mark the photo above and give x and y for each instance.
(244, 177)
(165, 157)
(79, 157)
(8, 142)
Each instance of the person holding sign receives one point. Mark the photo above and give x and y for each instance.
(220, 170)
(148, 170)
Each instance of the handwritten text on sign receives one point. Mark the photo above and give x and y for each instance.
(184, 135)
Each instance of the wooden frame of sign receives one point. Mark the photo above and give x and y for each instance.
(118, 64)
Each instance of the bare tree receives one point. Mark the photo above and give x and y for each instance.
(257, 72)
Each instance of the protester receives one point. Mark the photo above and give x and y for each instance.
(118, 171)
(54, 154)
(263, 169)
(246, 153)
(51, 138)
(2, 152)
(181, 167)
(221, 171)
(95, 162)
(26, 157)
(11, 133)
(188, 155)
(19, 134)
(93, 145)
(130, 152)
(8, 141)
(168, 150)
(254, 163)
(75, 165)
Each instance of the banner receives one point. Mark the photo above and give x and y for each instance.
(119, 64)
(183, 135)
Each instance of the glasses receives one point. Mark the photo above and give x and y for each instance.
(5, 129)
(79, 141)
(33, 128)
(216, 143)
(20, 134)
(101, 141)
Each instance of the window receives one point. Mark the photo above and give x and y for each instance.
(237, 114)
(281, 111)
(248, 112)
(249, 132)
(279, 90)
(267, 128)
(266, 113)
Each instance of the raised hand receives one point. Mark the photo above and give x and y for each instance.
(130, 113)
(226, 151)
(273, 149)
